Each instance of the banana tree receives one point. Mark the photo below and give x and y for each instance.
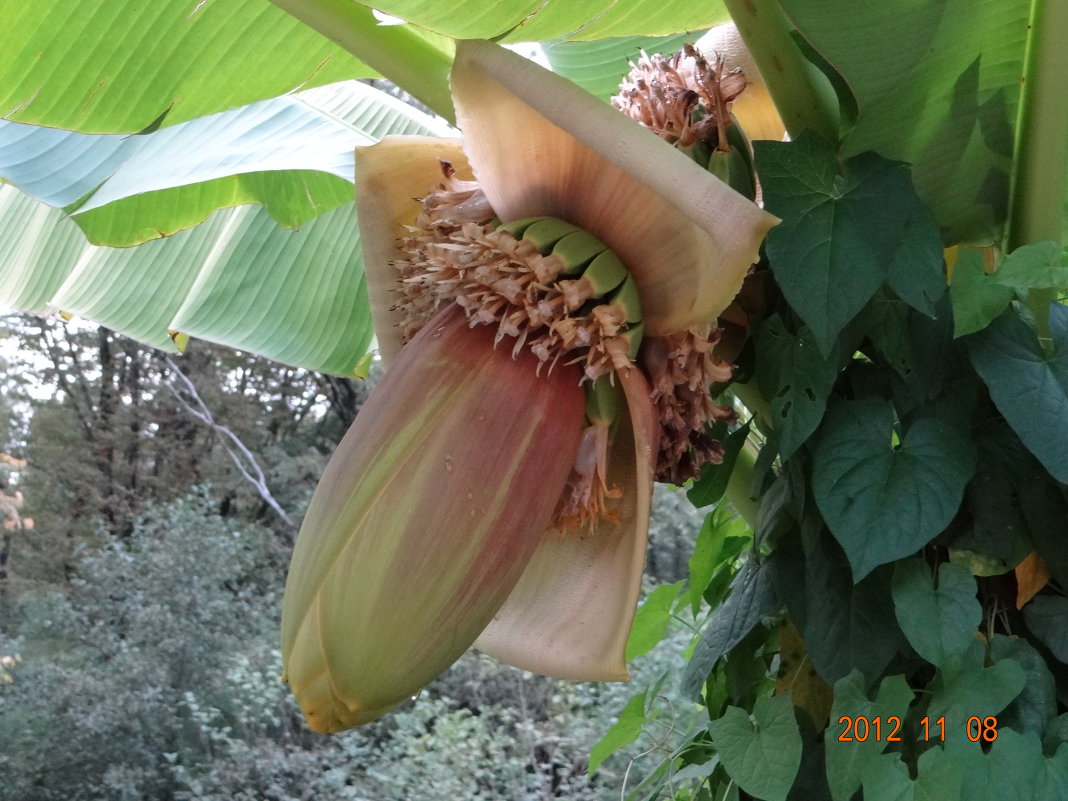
(896, 626)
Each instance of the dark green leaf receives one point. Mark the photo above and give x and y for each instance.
(886, 322)
(1028, 384)
(1036, 706)
(917, 273)
(818, 253)
(939, 621)
(811, 781)
(1045, 510)
(938, 778)
(762, 753)
(797, 379)
(752, 598)
(1007, 772)
(970, 689)
(998, 534)
(779, 507)
(745, 668)
(881, 501)
(1047, 617)
(847, 227)
(712, 483)
(846, 625)
(849, 761)
(938, 360)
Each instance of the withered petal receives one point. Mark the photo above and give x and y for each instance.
(391, 176)
(754, 108)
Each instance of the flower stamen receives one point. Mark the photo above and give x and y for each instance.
(552, 298)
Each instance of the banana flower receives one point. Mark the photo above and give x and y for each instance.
(495, 488)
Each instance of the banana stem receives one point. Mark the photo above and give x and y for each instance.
(1041, 165)
(417, 62)
(802, 94)
(739, 486)
(749, 394)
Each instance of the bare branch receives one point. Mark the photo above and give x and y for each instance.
(189, 399)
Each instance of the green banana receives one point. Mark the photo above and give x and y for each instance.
(546, 232)
(577, 250)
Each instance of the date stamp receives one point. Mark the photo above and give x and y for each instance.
(860, 729)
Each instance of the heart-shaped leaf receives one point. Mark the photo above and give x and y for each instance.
(848, 762)
(762, 753)
(847, 226)
(938, 621)
(1029, 384)
(882, 501)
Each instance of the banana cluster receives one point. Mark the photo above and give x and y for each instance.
(598, 274)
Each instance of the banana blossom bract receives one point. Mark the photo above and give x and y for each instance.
(430, 527)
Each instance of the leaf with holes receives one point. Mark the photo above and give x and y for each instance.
(797, 378)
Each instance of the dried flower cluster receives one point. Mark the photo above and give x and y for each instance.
(683, 98)
(681, 367)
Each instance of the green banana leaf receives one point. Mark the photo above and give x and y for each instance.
(599, 66)
(541, 20)
(937, 85)
(292, 154)
(238, 279)
(123, 66)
